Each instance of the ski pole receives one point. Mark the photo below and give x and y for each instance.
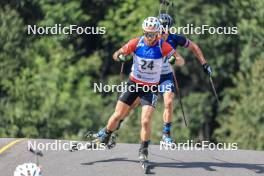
(168, 5)
(164, 6)
(213, 87)
(161, 6)
(179, 95)
(36, 153)
(121, 74)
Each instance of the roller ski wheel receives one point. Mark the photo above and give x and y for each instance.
(145, 166)
(143, 160)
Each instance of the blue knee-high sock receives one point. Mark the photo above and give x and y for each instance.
(167, 128)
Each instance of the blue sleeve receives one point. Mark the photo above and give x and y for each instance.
(181, 40)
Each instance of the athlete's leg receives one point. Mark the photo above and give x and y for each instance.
(168, 98)
(148, 102)
(168, 93)
(120, 112)
(135, 104)
(167, 116)
(126, 99)
(146, 115)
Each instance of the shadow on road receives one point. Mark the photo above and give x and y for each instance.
(257, 168)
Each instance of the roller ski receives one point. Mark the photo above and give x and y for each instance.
(167, 140)
(102, 139)
(143, 160)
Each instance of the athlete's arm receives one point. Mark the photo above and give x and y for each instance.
(167, 50)
(199, 54)
(179, 59)
(184, 42)
(127, 49)
(197, 51)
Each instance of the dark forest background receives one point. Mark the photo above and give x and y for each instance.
(46, 81)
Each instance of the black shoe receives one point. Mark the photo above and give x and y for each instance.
(143, 154)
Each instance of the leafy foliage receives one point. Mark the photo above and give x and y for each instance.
(46, 82)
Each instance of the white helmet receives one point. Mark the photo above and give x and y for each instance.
(151, 24)
(27, 169)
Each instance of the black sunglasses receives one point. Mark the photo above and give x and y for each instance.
(150, 35)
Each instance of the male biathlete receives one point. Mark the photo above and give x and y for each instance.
(167, 75)
(148, 52)
(167, 83)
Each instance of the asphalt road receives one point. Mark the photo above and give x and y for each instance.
(122, 161)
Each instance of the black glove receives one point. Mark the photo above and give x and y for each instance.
(207, 69)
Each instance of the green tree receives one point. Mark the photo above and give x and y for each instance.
(46, 86)
(243, 108)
